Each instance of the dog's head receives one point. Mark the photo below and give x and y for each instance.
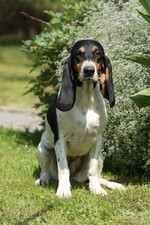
(87, 63)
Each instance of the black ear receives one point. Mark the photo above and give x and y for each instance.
(107, 82)
(66, 95)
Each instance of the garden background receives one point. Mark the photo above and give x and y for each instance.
(48, 39)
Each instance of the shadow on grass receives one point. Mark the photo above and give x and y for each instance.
(50, 207)
(35, 215)
(20, 137)
(36, 173)
(28, 138)
(126, 175)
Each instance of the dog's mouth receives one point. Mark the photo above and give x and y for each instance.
(89, 79)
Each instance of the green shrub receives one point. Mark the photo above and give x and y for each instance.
(121, 32)
(46, 48)
(142, 98)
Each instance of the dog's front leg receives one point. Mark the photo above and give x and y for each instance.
(64, 187)
(94, 168)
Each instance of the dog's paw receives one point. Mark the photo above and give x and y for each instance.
(96, 188)
(112, 185)
(63, 191)
(37, 182)
(44, 180)
(115, 186)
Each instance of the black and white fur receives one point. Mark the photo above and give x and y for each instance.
(70, 147)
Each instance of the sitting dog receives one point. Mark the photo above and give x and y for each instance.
(70, 147)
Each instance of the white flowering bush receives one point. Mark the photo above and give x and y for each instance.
(122, 32)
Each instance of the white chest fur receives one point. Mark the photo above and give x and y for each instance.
(81, 125)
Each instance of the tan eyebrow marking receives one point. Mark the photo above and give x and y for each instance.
(94, 48)
(82, 49)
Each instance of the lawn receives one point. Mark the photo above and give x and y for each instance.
(24, 203)
(14, 77)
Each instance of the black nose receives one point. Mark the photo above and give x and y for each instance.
(89, 71)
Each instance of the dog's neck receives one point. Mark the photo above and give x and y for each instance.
(86, 94)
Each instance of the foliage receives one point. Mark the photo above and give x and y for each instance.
(47, 46)
(146, 5)
(121, 31)
(21, 27)
(142, 99)
(141, 59)
(24, 203)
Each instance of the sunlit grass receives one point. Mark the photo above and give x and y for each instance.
(24, 203)
(15, 76)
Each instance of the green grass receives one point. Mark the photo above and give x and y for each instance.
(14, 77)
(24, 203)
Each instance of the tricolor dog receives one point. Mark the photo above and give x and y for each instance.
(70, 147)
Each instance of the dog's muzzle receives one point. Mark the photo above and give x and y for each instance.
(88, 71)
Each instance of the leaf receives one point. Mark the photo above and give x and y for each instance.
(141, 59)
(142, 98)
(146, 5)
(146, 17)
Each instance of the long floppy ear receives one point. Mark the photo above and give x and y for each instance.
(107, 82)
(67, 93)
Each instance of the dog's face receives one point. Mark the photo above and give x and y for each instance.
(87, 60)
(87, 63)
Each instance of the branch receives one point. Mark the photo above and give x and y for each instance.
(33, 18)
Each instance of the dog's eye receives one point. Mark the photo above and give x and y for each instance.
(80, 56)
(97, 53)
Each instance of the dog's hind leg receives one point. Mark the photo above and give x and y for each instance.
(111, 185)
(108, 184)
(47, 161)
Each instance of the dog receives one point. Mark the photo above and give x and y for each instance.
(70, 147)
